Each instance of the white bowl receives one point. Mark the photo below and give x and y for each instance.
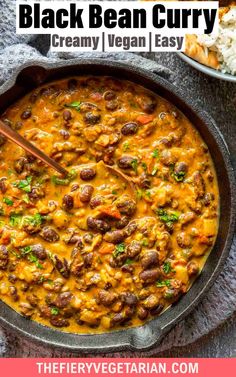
(207, 70)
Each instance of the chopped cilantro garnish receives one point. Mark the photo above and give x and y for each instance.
(139, 194)
(167, 267)
(120, 248)
(33, 220)
(26, 199)
(144, 166)
(134, 164)
(15, 220)
(74, 105)
(54, 311)
(129, 261)
(163, 283)
(8, 201)
(64, 181)
(114, 192)
(26, 250)
(32, 258)
(155, 153)
(179, 177)
(24, 184)
(145, 242)
(168, 218)
(125, 146)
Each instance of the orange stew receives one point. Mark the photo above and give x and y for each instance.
(124, 235)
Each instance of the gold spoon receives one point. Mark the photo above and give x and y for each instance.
(26, 145)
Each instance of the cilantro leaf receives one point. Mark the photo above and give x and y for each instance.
(54, 311)
(155, 153)
(134, 164)
(163, 283)
(167, 267)
(74, 105)
(8, 201)
(120, 248)
(15, 220)
(25, 184)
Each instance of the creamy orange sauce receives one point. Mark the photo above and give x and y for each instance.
(100, 249)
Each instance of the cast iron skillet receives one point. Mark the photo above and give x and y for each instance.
(144, 337)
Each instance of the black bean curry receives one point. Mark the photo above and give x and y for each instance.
(103, 248)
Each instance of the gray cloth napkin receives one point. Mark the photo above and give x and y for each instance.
(219, 303)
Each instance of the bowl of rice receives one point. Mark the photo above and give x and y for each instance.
(215, 54)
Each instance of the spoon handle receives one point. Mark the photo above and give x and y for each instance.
(26, 145)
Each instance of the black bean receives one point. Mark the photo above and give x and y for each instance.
(148, 104)
(167, 158)
(49, 234)
(19, 164)
(130, 229)
(62, 267)
(12, 278)
(123, 222)
(3, 186)
(67, 115)
(36, 193)
(33, 300)
(92, 118)
(68, 202)
(86, 193)
(129, 128)
(157, 310)
(26, 114)
(181, 167)
(127, 268)
(112, 105)
(149, 259)
(144, 181)
(183, 239)
(106, 298)
(88, 258)
(134, 249)
(109, 95)
(129, 298)
(118, 319)
(96, 201)
(151, 302)
(150, 276)
(88, 238)
(208, 198)
(13, 293)
(59, 322)
(77, 262)
(125, 162)
(115, 236)
(192, 268)
(87, 174)
(65, 134)
(4, 257)
(18, 125)
(98, 225)
(127, 207)
(39, 251)
(142, 313)
(199, 184)
(63, 299)
(74, 187)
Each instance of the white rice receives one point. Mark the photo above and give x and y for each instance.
(224, 43)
